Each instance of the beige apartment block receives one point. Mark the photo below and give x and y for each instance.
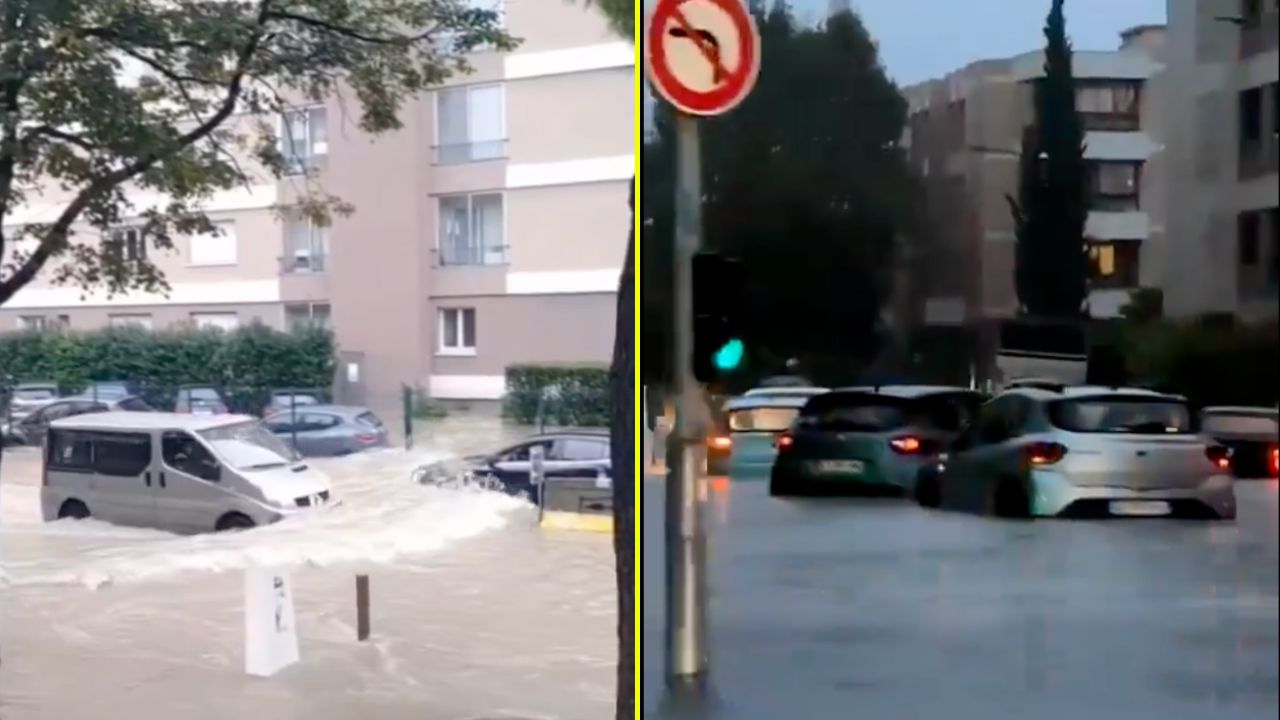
(489, 231)
(1223, 110)
(964, 137)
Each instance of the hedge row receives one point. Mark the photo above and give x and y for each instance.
(246, 362)
(567, 396)
(1210, 363)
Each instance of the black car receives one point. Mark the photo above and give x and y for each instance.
(1251, 433)
(31, 429)
(567, 454)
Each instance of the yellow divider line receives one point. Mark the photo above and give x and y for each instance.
(580, 522)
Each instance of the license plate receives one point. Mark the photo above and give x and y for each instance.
(1140, 508)
(841, 466)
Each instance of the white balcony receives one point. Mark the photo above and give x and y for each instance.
(1118, 225)
(1121, 146)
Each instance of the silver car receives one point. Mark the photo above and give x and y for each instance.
(1083, 452)
(328, 430)
(29, 397)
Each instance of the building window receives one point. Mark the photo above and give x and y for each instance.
(1115, 186)
(129, 242)
(218, 321)
(470, 124)
(1249, 237)
(133, 320)
(1113, 264)
(1109, 105)
(457, 331)
(34, 323)
(471, 230)
(306, 315)
(1253, 158)
(214, 248)
(304, 136)
(306, 246)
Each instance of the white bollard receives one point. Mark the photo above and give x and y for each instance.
(270, 636)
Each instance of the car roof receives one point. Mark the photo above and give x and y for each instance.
(905, 392)
(1090, 391)
(786, 390)
(602, 433)
(751, 402)
(147, 421)
(345, 410)
(1242, 410)
(36, 385)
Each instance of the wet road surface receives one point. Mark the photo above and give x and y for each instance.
(834, 608)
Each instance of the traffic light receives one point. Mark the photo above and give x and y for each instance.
(718, 346)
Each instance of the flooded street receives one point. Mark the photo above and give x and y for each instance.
(476, 612)
(828, 608)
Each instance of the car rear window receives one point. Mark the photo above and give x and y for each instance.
(856, 413)
(1240, 424)
(1121, 414)
(34, 394)
(206, 394)
(369, 419)
(762, 419)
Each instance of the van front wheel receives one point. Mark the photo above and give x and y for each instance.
(235, 521)
(73, 509)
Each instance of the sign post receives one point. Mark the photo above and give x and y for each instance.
(703, 57)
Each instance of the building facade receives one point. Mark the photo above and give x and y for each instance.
(964, 139)
(1223, 110)
(488, 231)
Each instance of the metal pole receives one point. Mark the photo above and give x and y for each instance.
(686, 542)
(362, 608)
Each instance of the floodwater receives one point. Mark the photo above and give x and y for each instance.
(476, 612)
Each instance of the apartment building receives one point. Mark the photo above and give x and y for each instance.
(1223, 110)
(964, 138)
(489, 231)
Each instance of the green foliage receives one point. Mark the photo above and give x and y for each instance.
(582, 401)
(246, 363)
(1210, 363)
(1051, 263)
(1145, 305)
(805, 183)
(101, 97)
(621, 14)
(423, 407)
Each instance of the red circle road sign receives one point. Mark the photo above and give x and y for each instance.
(703, 56)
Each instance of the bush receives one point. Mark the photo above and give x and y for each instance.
(582, 400)
(246, 363)
(1212, 363)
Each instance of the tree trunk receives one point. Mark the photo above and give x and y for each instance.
(622, 391)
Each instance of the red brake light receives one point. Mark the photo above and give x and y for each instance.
(1219, 456)
(784, 441)
(1275, 462)
(719, 442)
(1045, 453)
(366, 439)
(912, 445)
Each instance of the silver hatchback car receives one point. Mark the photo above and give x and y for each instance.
(1083, 452)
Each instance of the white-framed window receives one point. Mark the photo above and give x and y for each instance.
(470, 124)
(304, 136)
(304, 315)
(131, 241)
(214, 248)
(136, 320)
(457, 331)
(35, 323)
(472, 230)
(227, 321)
(306, 246)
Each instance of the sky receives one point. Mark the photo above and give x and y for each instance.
(925, 39)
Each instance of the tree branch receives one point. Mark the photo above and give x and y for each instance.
(398, 40)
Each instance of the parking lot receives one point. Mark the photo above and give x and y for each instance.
(824, 608)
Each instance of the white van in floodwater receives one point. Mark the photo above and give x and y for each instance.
(176, 472)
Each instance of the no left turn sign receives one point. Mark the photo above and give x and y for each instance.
(703, 56)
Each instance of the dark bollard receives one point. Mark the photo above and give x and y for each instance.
(362, 608)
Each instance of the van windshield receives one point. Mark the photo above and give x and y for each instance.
(249, 446)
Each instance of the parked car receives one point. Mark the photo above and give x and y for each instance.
(27, 397)
(1083, 452)
(109, 390)
(566, 454)
(747, 447)
(199, 400)
(31, 431)
(720, 442)
(282, 400)
(329, 430)
(869, 439)
(1251, 433)
(174, 472)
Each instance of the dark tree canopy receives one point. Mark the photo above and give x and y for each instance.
(100, 98)
(805, 182)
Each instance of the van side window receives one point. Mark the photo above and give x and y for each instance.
(121, 454)
(184, 453)
(70, 450)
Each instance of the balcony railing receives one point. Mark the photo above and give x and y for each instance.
(471, 256)
(1260, 35)
(304, 263)
(469, 152)
(1111, 122)
(1113, 203)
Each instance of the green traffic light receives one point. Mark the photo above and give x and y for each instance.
(729, 356)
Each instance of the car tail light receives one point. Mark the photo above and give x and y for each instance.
(719, 442)
(1219, 456)
(1275, 461)
(784, 441)
(366, 438)
(1045, 453)
(912, 445)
